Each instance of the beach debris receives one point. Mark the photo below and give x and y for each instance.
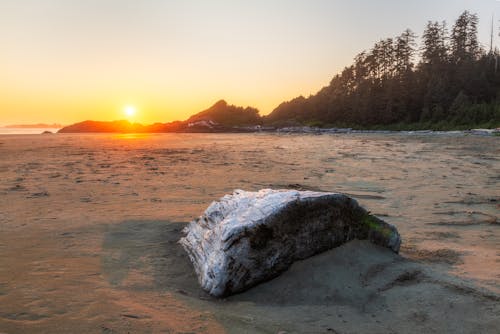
(249, 237)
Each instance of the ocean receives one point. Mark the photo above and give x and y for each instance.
(25, 131)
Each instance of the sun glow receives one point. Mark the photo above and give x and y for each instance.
(129, 111)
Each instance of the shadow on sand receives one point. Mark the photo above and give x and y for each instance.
(357, 284)
(152, 249)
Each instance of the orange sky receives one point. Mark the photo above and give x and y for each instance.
(66, 61)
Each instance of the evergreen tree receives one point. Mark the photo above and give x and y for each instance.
(435, 51)
(455, 83)
(404, 52)
(464, 43)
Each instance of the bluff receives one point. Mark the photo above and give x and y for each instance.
(221, 117)
(227, 115)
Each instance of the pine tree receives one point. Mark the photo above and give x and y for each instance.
(464, 43)
(405, 49)
(435, 51)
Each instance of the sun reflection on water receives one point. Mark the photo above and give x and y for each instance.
(130, 136)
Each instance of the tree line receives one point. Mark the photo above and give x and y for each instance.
(449, 81)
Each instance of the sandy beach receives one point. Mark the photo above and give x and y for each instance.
(89, 226)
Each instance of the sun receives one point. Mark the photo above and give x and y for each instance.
(129, 111)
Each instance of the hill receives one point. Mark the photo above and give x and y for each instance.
(122, 126)
(95, 126)
(228, 115)
(221, 117)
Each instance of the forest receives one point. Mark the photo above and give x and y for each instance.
(449, 81)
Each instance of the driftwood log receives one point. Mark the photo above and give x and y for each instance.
(249, 237)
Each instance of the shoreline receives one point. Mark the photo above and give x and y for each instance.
(285, 130)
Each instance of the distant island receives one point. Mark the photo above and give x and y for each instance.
(34, 126)
(454, 85)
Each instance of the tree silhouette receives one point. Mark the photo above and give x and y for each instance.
(454, 83)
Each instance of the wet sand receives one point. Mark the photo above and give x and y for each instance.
(89, 227)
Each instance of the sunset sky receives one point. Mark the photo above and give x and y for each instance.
(70, 60)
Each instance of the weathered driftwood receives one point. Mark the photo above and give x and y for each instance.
(249, 237)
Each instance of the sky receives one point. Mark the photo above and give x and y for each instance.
(67, 61)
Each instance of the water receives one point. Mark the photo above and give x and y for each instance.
(25, 131)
